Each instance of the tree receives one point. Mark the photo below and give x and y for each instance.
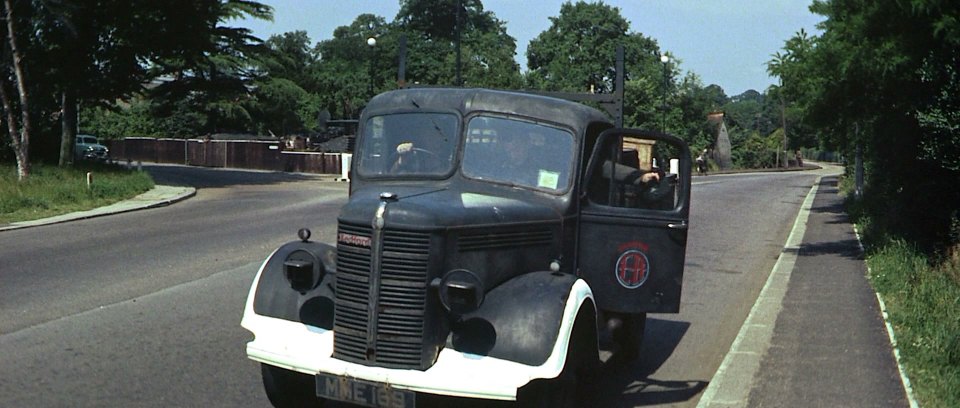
(110, 44)
(212, 74)
(95, 52)
(439, 32)
(290, 56)
(20, 129)
(345, 72)
(349, 71)
(882, 75)
(578, 51)
(284, 108)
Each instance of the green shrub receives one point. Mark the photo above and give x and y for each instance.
(922, 295)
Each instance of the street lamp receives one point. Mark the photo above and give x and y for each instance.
(663, 125)
(372, 42)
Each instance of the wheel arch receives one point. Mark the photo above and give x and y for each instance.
(530, 320)
(271, 294)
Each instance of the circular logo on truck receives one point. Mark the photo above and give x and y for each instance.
(633, 269)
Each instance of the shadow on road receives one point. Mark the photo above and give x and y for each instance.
(203, 177)
(622, 383)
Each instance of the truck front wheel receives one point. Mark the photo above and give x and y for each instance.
(289, 389)
(629, 336)
(569, 389)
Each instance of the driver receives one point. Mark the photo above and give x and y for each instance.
(517, 159)
(643, 189)
(629, 175)
(415, 159)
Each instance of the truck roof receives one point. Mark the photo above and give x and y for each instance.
(467, 100)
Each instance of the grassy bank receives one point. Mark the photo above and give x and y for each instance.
(51, 190)
(922, 295)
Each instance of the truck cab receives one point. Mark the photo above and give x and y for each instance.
(489, 239)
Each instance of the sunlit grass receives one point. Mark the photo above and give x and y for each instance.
(922, 296)
(51, 191)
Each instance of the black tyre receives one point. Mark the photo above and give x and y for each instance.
(629, 336)
(568, 389)
(289, 389)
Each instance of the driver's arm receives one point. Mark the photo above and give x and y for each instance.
(629, 175)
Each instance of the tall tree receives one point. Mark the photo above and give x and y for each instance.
(346, 74)
(440, 31)
(882, 76)
(109, 44)
(578, 51)
(210, 77)
(19, 129)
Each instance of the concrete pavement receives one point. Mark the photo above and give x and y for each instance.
(157, 197)
(816, 336)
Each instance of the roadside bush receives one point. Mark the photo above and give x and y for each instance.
(922, 295)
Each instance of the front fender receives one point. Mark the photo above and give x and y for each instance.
(271, 294)
(527, 319)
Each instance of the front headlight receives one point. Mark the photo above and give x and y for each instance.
(460, 291)
(303, 271)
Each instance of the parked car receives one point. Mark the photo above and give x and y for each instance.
(87, 147)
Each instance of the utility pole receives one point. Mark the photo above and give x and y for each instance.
(663, 125)
(783, 119)
(458, 29)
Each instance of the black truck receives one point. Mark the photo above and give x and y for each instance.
(489, 240)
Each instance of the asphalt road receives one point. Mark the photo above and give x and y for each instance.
(143, 308)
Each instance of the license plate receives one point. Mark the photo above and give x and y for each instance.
(365, 393)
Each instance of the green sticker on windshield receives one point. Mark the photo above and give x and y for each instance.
(548, 179)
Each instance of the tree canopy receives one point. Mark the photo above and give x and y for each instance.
(201, 75)
(883, 76)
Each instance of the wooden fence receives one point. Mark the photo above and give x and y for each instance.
(242, 154)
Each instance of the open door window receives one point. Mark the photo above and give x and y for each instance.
(635, 206)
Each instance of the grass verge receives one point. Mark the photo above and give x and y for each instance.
(922, 295)
(51, 190)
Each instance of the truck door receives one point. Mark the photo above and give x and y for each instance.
(633, 229)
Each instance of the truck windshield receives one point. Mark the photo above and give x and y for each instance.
(519, 153)
(408, 144)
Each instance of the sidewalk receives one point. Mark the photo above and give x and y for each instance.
(830, 346)
(816, 336)
(157, 197)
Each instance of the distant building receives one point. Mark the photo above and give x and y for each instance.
(721, 142)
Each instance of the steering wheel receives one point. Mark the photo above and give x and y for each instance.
(413, 160)
(658, 190)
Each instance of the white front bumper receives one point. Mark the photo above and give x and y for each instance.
(309, 350)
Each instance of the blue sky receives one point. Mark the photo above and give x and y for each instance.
(724, 42)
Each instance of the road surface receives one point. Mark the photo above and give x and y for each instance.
(143, 308)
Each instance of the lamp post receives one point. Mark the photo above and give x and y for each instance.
(663, 125)
(371, 42)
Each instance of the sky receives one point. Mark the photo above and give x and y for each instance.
(725, 42)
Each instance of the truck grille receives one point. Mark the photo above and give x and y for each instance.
(399, 340)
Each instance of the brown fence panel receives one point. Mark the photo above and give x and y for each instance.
(216, 153)
(169, 151)
(309, 162)
(257, 155)
(136, 149)
(194, 153)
